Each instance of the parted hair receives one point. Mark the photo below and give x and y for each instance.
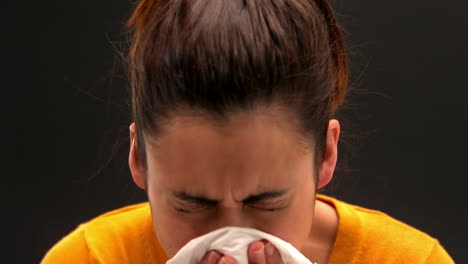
(218, 57)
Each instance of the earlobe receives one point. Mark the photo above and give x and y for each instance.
(330, 154)
(134, 161)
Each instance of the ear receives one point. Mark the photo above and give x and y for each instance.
(134, 160)
(330, 155)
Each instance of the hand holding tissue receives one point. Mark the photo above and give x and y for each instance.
(234, 242)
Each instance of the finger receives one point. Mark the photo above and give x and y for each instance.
(227, 260)
(211, 257)
(272, 255)
(256, 253)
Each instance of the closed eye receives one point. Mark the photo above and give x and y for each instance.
(267, 201)
(265, 196)
(183, 210)
(191, 206)
(270, 206)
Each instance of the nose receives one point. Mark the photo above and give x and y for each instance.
(232, 216)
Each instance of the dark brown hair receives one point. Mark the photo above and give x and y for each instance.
(221, 56)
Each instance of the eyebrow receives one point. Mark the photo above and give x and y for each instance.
(249, 199)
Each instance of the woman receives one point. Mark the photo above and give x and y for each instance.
(233, 105)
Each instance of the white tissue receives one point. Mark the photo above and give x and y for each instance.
(234, 241)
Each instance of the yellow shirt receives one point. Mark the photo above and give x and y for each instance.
(364, 236)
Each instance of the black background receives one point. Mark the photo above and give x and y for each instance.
(66, 117)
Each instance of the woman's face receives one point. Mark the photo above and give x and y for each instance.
(251, 172)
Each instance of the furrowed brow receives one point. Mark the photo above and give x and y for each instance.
(194, 199)
(250, 199)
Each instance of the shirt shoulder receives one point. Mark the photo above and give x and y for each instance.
(72, 246)
(124, 235)
(371, 236)
(385, 238)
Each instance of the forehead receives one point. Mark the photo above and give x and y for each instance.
(250, 152)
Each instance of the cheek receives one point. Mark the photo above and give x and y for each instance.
(295, 226)
(172, 233)
(292, 227)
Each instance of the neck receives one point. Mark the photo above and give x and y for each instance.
(323, 234)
